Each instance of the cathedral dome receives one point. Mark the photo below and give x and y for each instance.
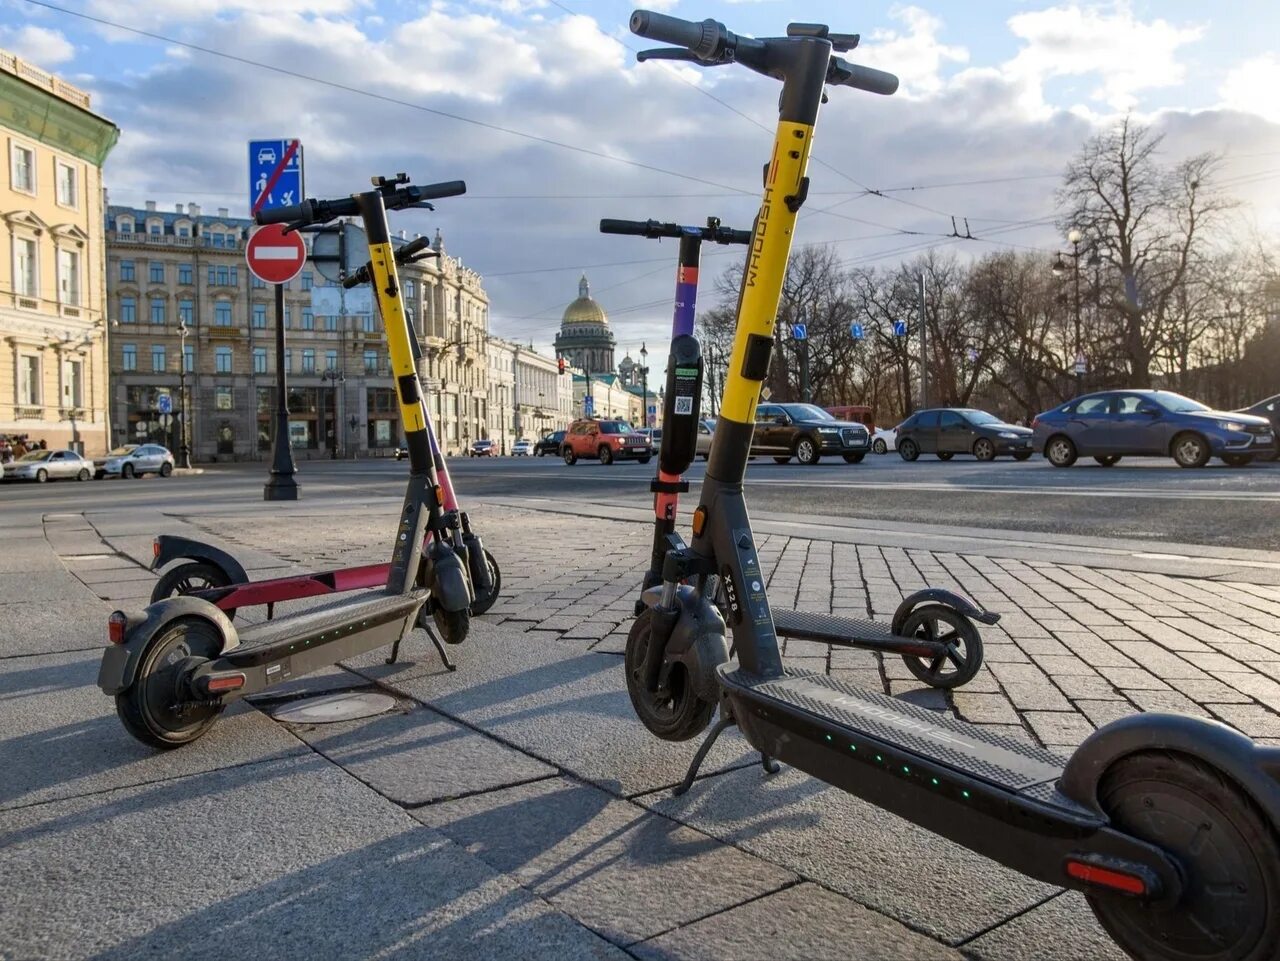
(584, 310)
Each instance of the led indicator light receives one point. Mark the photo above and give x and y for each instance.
(828, 737)
(965, 793)
(879, 758)
(905, 769)
(934, 780)
(853, 747)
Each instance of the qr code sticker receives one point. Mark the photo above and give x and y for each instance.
(684, 405)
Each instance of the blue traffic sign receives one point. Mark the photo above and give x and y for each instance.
(856, 331)
(799, 331)
(164, 404)
(588, 404)
(275, 174)
(899, 328)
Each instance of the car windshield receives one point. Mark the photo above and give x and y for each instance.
(35, 455)
(980, 417)
(806, 412)
(615, 427)
(1178, 404)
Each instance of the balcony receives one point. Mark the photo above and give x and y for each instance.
(28, 413)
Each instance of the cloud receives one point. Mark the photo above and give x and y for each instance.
(916, 55)
(1254, 87)
(41, 46)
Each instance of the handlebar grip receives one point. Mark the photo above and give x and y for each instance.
(449, 188)
(294, 213)
(356, 278)
(705, 39)
(869, 79)
(634, 228)
(728, 236)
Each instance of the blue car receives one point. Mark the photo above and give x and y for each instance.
(1149, 423)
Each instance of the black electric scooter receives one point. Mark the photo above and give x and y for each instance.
(1168, 824)
(932, 630)
(173, 667)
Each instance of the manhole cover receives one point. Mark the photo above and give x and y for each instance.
(350, 706)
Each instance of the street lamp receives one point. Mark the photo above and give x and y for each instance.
(644, 386)
(1074, 238)
(335, 377)
(184, 451)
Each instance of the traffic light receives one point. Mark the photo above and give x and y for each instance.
(560, 361)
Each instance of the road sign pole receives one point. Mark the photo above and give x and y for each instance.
(924, 348)
(281, 486)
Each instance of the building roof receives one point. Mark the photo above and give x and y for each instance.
(584, 310)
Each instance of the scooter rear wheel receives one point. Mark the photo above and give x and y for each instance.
(937, 622)
(157, 708)
(1228, 853)
(678, 714)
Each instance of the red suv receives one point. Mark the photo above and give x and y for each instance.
(607, 440)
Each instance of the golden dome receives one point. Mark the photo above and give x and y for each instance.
(584, 310)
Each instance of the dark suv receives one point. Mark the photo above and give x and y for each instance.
(607, 440)
(806, 432)
(949, 431)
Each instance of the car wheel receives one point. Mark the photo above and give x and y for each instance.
(1237, 460)
(1190, 450)
(908, 450)
(166, 469)
(782, 460)
(1060, 451)
(606, 455)
(570, 457)
(853, 458)
(1107, 460)
(879, 446)
(945, 455)
(42, 475)
(126, 470)
(644, 460)
(83, 475)
(99, 474)
(807, 452)
(984, 449)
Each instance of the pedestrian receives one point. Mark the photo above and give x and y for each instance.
(19, 449)
(42, 445)
(6, 451)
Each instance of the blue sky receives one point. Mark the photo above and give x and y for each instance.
(1003, 90)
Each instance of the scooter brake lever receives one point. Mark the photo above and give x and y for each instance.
(667, 53)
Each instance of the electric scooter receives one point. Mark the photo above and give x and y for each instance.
(1167, 824)
(173, 667)
(216, 576)
(932, 630)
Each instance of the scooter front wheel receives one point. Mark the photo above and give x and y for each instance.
(1228, 853)
(937, 622)
(453, 625)
(675, 713)
(482, 605)
(157, 708)
(189, 578)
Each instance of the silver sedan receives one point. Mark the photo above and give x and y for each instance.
(46, 465)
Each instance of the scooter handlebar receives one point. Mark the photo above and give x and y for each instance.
(639, 228)
(702, 39)
(847, 74)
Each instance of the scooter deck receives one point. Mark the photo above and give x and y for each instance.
(843, 631)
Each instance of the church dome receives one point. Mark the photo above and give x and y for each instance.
(584, 310)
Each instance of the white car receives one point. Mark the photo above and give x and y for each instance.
(706, 430)
(145, 459)
(884, 440)
(47, 465)
(522, 448)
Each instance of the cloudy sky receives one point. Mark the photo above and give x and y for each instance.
(540, 106)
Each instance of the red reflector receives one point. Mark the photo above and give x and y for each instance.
(224, 682)
(1106, 878)
(116, 624)
(155, 548)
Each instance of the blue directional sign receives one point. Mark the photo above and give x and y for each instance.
(164, 404)
(899, 328)
(275, 173)
(799, 331)
(588, 404)
(856, 331)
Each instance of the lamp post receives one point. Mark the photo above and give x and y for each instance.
(1074, 237)
(184, 450)
(335, 377)
(353, 422)
(644, 386)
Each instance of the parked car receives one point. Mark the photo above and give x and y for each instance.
(706, 431)
(1270, 409)
(99, 463)
(552, 443)
(884, 440)
(402, 451)
(607, 440)
(522, 448)
(143, 459)
(806, 432)
(947, 431)
(655, 437)
(1149, 423)
(483, 448)
(47, 465)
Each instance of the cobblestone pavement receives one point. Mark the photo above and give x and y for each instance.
(515, 807)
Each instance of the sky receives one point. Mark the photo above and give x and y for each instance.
(541, 107)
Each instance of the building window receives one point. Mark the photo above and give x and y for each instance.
(69, 277)
(186, 312)
(222, 360)
(308, 319)
(288, 361)
(287, 317)
(155, 272)
(308, 360)
(331, 323)
(188, 358)
(68, 185)
(23, 169)
(366, 323)
(183, 230)
(257, 283)
(72, 375)
(125, 225)
(370, 361)
(185, 274)
(155, 228)
(260, 315)
(306, 280)
(126, 271)
(128, 310)
(28, 379)
(259, 360)
(226, 276)
(410, 289)
(330, 360)
(26, 279)
(157, 310)
(218, 239)
(222, 398)
(157, 358)
(129, 357)
(222, 313)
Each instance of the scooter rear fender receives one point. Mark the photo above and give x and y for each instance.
(937, 595)
(120, 661)
(170, 547)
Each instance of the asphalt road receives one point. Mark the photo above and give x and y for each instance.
(1137, 499)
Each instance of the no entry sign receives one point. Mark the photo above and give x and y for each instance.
(274, 256)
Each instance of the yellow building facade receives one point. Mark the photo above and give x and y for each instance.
(53, 371)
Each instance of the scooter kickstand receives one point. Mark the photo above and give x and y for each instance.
(726, 721)
(444, 657)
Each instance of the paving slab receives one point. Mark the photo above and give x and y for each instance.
(855, 849)
(1062, 929)
(625, 872)
(42, 590)
(414, 756)
(289, 859)
(79, 625)
(60, 737)
(21, 554)
(802, 923)
(566, 706)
